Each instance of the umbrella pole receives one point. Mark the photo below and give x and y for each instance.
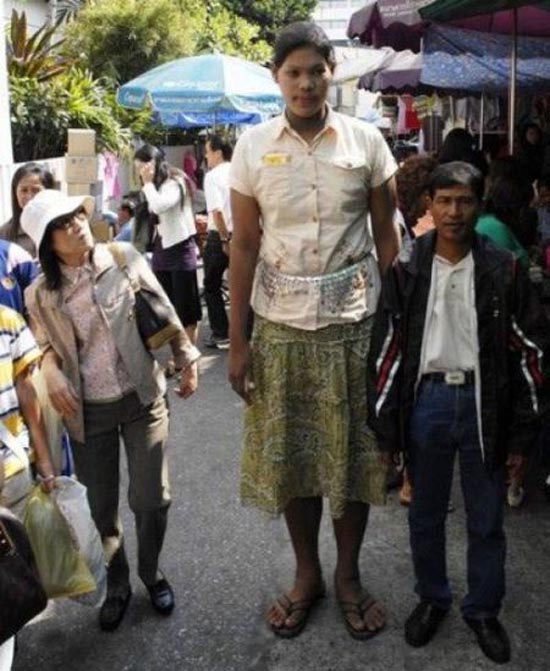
(513, 83)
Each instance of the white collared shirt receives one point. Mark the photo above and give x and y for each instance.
(216, 193)
(314, 205)
(450, 328)
(176, 223)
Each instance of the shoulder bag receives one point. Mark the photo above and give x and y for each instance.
(21, 594)
(154, 321)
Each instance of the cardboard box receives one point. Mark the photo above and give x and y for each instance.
(78, 189)
(80, 142)
(81, 169)
(95, 190)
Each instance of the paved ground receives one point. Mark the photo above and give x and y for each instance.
(227, 562)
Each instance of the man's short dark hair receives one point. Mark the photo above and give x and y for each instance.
(218, 143)
(128, 205)
(456, 173)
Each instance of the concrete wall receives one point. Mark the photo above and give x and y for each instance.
(37, 11)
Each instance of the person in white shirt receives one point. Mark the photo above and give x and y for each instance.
(172, 220)
(216, 252)
(455, 372)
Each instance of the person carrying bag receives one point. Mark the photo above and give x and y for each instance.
(21, 595)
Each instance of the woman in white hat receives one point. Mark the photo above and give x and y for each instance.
(104, 382)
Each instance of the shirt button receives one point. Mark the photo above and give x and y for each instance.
(314, 186)
(315, 251)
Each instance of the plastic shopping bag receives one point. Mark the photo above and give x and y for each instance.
(62, 569)
(72, 502)
(58, 439)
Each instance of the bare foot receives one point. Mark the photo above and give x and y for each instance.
(290, 609)
(361, 611)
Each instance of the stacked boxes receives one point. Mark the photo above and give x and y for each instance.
(81, 172)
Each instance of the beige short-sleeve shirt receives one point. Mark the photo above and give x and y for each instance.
(314, 203)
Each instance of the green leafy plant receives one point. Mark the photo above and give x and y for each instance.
(42, 112)
(33, 55)
(125, 38)
(38, 120)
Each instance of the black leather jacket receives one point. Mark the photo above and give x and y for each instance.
(512, 335)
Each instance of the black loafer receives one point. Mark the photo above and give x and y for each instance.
(422, 623)
(492, 638)
(113, 609)
(162, 596)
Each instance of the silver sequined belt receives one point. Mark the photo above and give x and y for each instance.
(331, 290)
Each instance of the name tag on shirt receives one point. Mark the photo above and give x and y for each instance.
(276, 159)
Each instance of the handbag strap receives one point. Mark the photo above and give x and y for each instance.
(14, 444)
(118, 255)
(122, 262)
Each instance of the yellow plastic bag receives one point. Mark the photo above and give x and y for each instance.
(63, 571)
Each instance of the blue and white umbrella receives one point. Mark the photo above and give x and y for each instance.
(211, 86)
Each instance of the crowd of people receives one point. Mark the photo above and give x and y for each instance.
(399, 316)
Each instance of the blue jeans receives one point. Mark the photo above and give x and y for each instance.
(444, 422)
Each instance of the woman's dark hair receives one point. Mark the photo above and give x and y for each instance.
(525, 128)
(507, 167)
(509, 199)
(163, 169)
(49, 261)
(459, 146)
(46, 179)
(412, 187)
(457, 173)
(302, 34)
(218, 143)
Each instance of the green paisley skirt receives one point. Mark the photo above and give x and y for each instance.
(305, 433)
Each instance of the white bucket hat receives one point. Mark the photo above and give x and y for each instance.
(48, 205)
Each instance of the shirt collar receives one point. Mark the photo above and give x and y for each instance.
(282, 124)
(465, 262)
(99, 260)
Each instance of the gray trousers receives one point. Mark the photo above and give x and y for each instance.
(144, 431)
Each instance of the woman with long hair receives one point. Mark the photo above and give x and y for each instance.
(27, 181)
(168, 198)
(105, 383)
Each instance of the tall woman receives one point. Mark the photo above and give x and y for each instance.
(303, 185)
(173, 230)
(27, 181)
(105, 383)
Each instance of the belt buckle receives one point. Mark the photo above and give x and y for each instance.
(455, 377)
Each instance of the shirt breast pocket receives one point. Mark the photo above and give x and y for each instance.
(348, 176)
(349, 172)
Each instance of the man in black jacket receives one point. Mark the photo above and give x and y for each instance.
(455, 368)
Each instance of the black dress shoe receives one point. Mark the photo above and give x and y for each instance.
(113, 609)
(162, 596)
(422, 623)
(492, 638)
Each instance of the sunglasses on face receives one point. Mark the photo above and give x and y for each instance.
(66, 221)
